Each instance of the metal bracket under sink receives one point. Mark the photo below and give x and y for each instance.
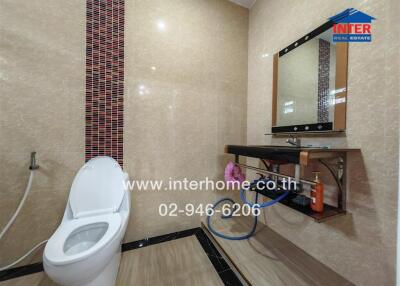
(333, 159)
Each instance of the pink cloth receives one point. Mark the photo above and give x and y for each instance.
(233, 173)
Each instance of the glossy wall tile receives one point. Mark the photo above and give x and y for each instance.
(185, 97)
(361, 246)
(42, 109)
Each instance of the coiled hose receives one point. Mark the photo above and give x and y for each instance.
(243, 198)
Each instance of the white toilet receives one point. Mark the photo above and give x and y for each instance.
(86, 247)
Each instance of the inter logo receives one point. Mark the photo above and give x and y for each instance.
(352, 25)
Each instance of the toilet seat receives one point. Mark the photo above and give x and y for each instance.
(54, 251)
(98, 187)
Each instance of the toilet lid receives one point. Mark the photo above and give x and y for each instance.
(97, 188)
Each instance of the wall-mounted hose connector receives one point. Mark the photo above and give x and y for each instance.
(33, 165)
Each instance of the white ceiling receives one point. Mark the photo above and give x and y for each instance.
(244, 3)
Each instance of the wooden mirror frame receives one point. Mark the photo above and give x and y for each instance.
(339, 120)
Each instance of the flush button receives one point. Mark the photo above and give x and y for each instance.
(295, 128)
(306, 128)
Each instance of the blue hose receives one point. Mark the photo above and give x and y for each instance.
(255, 205)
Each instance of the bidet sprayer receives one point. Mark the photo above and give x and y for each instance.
(33, 165)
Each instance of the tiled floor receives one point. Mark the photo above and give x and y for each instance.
(190, 258)
(268, 259)
(37, 279)
(185, 258)
(176, 262)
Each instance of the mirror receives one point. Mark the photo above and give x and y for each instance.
(310, 84)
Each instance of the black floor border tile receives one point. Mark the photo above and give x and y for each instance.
(21, 271)
(215, 257)
(226, 274)
(229, 278)
(158, 239)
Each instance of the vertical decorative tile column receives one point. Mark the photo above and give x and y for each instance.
(323, 80)
(104, 79)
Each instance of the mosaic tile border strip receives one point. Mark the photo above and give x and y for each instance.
(104, 79)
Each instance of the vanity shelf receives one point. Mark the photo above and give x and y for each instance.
(329, 211)
(287, 154)
(300, 156)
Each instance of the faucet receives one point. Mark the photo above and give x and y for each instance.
(293, 140)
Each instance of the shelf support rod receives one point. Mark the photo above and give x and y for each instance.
(274, 174)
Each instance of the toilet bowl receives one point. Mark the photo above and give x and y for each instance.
(86, 247)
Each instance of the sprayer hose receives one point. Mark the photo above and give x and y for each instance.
(12, 220)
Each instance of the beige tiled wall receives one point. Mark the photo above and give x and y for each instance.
(360, 245)
(195, 78)
(185, 97)
(42, 75)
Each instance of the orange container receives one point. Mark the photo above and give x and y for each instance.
(317, 195)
